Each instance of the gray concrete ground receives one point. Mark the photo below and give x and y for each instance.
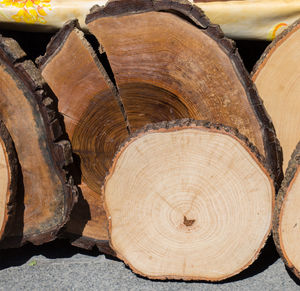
(58, 266)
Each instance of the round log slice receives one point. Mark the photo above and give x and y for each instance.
(276, 77)
(28, 110)
(286, 226)
(188, 200)
(8, 181)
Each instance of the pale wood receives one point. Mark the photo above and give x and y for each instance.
(290, 223)
(188, 201)
(286, 222)
(276, 77)
(4, 182)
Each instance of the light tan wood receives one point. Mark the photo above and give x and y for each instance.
(290, 223)
(4, 182)
(286, 220)
(188, 203)
(277, 80)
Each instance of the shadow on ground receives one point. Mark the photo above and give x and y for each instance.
(62, 249)
(53, 250)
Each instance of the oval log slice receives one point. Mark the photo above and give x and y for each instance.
(9, 171)
(94, 122)
(30, 116)
(276, 76)
(286, 225)
(188, 200)
(170, 62)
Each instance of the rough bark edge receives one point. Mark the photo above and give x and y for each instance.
(60, 149)
(272, 47)
(292, 172)
(196, 16)
(56, 44)
(11, 197)
(182, 124)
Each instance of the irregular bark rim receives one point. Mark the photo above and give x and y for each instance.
(292, 172)
(181, 124)
(61, 153)
(13, 164)
(56, 44)
(272, 47)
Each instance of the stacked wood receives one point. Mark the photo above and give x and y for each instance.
(188, 200)
(154, 61)
(286, 222)
(45, 193)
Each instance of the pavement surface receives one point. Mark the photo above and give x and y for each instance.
(59, 266)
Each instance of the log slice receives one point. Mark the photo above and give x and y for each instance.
(286, 225)
(9, 171)
(29, 113)
(276, 77)
(188, 200)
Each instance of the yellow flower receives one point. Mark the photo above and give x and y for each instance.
(31, 11)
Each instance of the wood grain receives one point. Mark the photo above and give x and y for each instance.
(276, 77)
(168, 62)
(93, 119)
(286, 221)
(204, 213)
(172, 48)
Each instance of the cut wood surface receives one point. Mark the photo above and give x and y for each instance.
(9, 172)
(46, 196)
(170, 62)
(94, 122)
(188, 200)
(286, 226)
(142, 71)
(276, 77)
